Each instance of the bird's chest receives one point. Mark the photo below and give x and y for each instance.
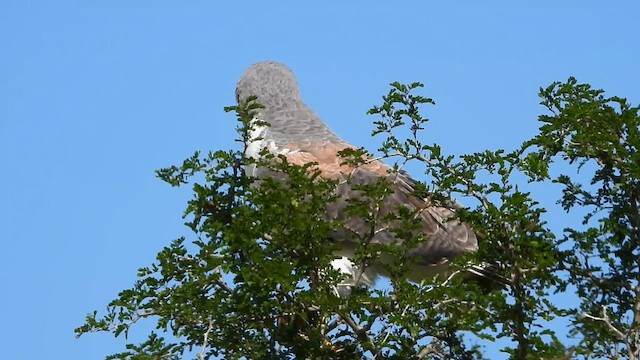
(257, 141)
(260, 139)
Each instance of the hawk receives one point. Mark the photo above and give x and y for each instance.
(296, 132)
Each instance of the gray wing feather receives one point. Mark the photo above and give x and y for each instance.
(446, 237)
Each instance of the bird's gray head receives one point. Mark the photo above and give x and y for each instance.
(272, 82)
(277, 90)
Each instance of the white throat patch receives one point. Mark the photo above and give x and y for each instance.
(258, 142)
(255, 145)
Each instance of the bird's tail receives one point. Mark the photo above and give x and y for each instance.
(487, 276)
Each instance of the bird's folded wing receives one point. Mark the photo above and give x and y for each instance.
(445, 236)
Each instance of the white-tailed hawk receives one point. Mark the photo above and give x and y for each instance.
(296, 132)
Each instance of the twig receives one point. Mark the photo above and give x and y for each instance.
(128, 323)
(444, 283)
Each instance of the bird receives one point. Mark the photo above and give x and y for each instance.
(286, 126)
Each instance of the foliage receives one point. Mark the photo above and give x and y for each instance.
(257, 282)
(602, 258)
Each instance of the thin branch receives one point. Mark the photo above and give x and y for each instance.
(427, 350)
(360, 333)
(201, 355)
(446, 282)
(605, 319)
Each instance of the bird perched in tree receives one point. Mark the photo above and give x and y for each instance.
(296, 132)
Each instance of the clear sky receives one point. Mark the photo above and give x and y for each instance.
(96, 95)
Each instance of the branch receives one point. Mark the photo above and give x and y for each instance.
(427, 350)
(361, 334)
(605, 319)
(201, 355)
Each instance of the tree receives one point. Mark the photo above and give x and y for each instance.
(588, 129)
(257, 281)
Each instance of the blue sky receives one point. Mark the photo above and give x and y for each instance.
(94, 96)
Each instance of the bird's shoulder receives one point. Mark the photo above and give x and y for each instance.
(326, 156)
